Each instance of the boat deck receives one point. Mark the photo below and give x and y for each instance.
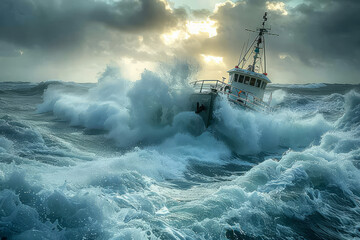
(235, 95)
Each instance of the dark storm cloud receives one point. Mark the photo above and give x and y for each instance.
(41, 23)
(316, 32)
(53, 35)
(143, 15)
(232, 22)
(9, 50)
(45, 23)
(326, 30)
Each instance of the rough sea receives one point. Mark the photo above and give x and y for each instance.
(126, 160)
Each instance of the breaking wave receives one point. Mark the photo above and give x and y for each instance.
(151, 110)
(160, 174)
(308, 85)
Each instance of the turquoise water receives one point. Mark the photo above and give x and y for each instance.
(125, 160)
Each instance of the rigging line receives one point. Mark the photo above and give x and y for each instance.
(248, 51)
(247, 43)
(261, 66)
(240, 58)
(264, 55)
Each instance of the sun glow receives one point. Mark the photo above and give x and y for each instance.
(134, 68)
(167, 5)
(219, 5)
(174, 36)
(212, 59)
(277, 6)
(207, 26)
(192, 28)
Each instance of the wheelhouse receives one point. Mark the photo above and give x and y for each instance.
(248, 81)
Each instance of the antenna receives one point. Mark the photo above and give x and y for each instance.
(257, 46)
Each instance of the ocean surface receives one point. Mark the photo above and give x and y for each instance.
(126, 160)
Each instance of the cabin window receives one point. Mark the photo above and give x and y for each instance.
(241, 79)
(252, 82)
(258, 83)
(247, 78)
(264, 85)
(236, 77)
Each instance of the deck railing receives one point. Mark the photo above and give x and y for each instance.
(246, 99)
(207, 85)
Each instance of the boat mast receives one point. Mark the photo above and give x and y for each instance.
(260, 39)
(257, 44)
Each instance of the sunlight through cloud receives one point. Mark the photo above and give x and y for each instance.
(174, 36)
(277, 6)
(206, 26)
(213, 59)
(167, 5)
(219, 5)
(192, 28)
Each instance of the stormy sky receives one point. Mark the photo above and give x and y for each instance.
(319, 40)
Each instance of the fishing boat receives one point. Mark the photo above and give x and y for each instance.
(246, 85)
